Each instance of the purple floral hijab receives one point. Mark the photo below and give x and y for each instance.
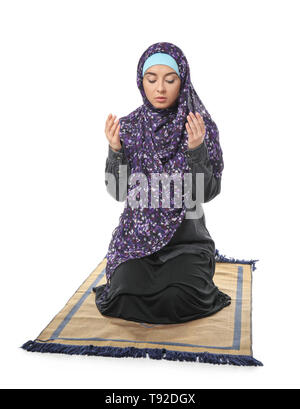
(154, 141)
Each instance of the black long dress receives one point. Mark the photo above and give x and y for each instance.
(174, 284)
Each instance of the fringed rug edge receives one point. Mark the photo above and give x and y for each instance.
(204, 357)
(220, 258)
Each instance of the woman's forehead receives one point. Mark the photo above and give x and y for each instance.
(160, 69)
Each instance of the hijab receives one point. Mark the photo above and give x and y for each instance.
(154, 141)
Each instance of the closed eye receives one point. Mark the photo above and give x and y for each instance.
(169, 82)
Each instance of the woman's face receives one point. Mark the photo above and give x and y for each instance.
(161, 81)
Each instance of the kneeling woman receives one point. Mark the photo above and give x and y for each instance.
(160, 262)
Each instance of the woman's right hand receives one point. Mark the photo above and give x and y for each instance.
(112, 132)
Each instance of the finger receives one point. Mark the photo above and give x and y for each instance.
(111, 122)
(114, 126)
(191, 124)
(198, 115)
(199, 118)
(189, 129)
(196, 123)
(107, 122)
(201, 122)
(116, 133)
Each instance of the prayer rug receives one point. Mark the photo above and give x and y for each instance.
(222, 338)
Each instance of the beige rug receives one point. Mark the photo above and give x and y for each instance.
(223, 338)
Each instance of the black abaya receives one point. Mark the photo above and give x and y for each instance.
(174, 284)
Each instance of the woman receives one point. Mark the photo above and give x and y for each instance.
(161, 259)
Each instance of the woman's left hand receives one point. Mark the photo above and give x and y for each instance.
(196, 130)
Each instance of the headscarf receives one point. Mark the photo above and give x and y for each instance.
(154, 141)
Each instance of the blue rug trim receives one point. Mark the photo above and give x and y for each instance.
(158, 353)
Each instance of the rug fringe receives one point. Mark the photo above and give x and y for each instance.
(223, 259)
(156, 353)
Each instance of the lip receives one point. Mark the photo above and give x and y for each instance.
(160, 98)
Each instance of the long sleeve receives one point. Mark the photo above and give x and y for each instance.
(114, 159)
(199, 162)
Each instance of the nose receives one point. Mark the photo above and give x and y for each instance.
(160, 86)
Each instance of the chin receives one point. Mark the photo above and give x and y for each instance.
(161, 104)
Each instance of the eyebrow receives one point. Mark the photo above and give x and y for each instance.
(153, 73)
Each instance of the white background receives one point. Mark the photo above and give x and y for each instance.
(65, 65)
